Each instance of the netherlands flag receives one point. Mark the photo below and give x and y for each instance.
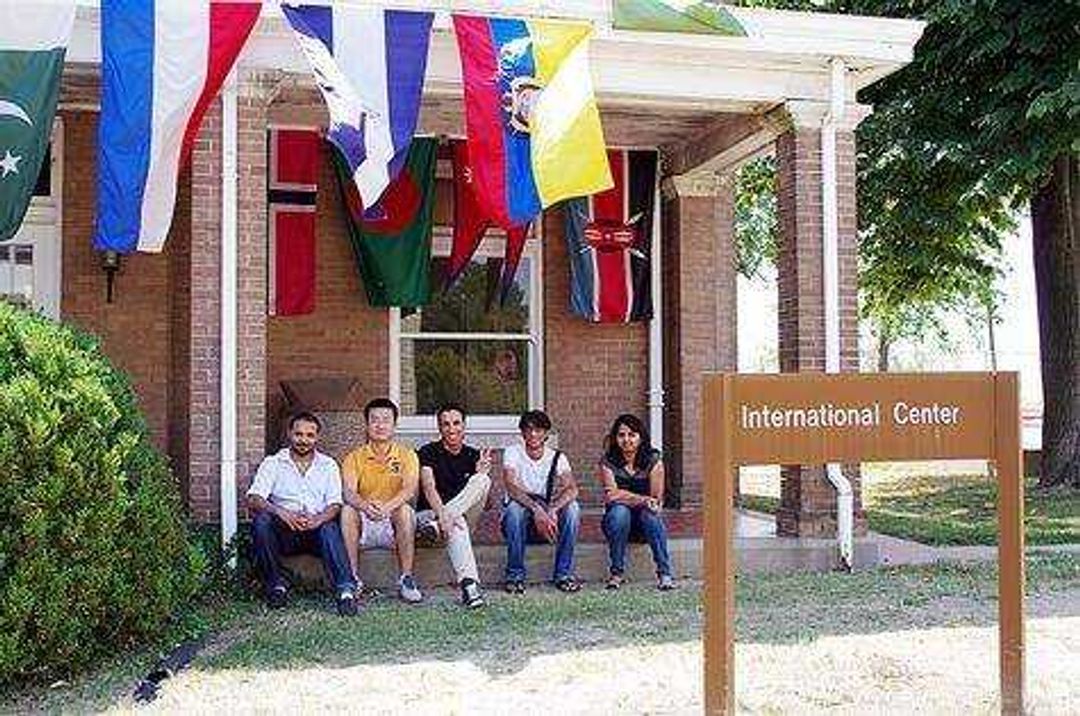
(369, 64)
(162, 63)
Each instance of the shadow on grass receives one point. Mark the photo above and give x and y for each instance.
(502, 638)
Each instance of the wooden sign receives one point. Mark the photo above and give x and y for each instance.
(813, 418)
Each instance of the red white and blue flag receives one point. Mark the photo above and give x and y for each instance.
(163, 62)
(608, 240)
(369, 64)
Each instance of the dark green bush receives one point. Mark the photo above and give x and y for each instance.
(94, 552)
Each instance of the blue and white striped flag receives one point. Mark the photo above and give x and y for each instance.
(369, 64)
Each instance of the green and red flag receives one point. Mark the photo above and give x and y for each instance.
(392, 240)
(33, 40)
(692, 16)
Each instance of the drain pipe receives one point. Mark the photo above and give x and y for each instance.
(228, 309)
(656, 327)
(845, 501)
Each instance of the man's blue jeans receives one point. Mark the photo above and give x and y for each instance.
(519, 530)
(272, 539)
(620, 520)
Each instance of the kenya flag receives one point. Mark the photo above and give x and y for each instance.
(33, 40)
(608, 240)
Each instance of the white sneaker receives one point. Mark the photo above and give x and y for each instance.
(408, 590)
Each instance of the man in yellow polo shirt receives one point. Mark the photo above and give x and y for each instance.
(379, 481)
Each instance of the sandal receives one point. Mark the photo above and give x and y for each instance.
(568, 585)
(614, 582)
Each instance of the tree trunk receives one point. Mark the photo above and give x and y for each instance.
(1055, 216)
(884, 343)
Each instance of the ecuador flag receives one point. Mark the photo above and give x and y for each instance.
(533, 127)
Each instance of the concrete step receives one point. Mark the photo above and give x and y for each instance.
(753, 555)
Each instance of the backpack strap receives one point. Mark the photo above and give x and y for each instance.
(550, 487)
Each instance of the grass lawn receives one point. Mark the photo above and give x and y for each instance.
(511, 631)
(957, 510)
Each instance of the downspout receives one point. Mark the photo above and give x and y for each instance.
(656, 327)
(228, 309)
(845, 502)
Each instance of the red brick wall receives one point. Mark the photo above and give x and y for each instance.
(344, 336)
(594, 372)
(136, 328)
(699, 320)
(808, 501)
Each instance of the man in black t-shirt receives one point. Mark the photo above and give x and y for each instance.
(454, 484)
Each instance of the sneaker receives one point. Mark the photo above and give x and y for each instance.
(665, 583)
(471, 596)
(408, 590)
(363, 591)
(277, 598)
(568, 584)
(514, 586)
(615, 580)
(427, 534)
(346, 605)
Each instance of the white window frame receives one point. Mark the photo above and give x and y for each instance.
(46, 213)
(491, 427)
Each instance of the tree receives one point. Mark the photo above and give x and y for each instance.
(985, 119)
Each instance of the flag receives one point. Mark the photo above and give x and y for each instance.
(292, 186)
(392, 240)
(532, 123)
(691, 16)
(369, 64)
(608, 240)
(471, 222)
(33, 40)
(162, 63)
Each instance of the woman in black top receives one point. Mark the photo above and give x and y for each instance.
(633, 477)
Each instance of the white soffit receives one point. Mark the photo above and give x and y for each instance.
(784, 57)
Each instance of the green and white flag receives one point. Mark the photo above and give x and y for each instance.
(33, 39)
(704, 17)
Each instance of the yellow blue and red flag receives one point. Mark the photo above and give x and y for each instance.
(532, 123)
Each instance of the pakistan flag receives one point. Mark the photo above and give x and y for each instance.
(33, 39)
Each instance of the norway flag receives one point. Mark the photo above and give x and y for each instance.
(162, 63)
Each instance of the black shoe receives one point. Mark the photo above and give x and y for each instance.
(346, 605)
(568, 584)
(471, 596)
(427, 534)
(277, 598)
(514, 586)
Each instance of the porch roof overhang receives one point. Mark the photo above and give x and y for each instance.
(695, 90)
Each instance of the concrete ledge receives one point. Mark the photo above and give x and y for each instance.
(754, 555)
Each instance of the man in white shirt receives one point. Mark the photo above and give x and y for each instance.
(296, 498)
(542, 504)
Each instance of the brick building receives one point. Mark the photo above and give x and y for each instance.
(705, 103)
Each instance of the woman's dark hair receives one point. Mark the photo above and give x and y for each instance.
(612, 451)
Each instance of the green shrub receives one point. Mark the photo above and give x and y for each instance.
(94, 552)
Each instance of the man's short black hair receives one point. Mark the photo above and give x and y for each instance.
(380, 403)
(306, 416)
(446, 408)
(534, 419)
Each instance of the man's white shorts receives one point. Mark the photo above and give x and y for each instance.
(376, 534)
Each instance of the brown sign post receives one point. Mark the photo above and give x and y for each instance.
(814, 418)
